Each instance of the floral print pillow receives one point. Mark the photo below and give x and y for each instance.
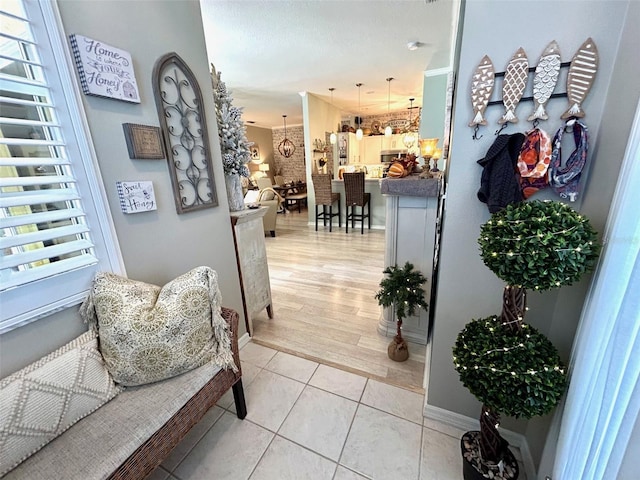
(148, 333)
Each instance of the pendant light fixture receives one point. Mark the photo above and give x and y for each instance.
(387, 129)
(410, 137)
(359, 131)
(333, 138)
(286, 146)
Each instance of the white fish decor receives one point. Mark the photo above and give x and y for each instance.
(545, 79)
(515, 81)
(481, 89)
(582, 72)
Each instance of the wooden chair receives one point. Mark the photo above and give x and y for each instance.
(356, 197)
(296, 199)
(326, 198)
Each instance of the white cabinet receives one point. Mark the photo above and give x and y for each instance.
(370, 149)
(394, 142)
(251, 256)
(362, 152)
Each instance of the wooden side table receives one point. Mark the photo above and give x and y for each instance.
(251, 256)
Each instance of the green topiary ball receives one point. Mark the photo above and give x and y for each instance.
(517, 373)
(538, 245)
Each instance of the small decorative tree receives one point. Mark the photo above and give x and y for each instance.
(235, 147)
(403, 289)
(508, 365)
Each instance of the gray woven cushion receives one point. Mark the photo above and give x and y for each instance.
(44, 399)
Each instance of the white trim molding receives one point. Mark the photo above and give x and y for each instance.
(465, 424)
(438, 71)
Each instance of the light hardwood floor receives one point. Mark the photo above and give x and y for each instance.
(323, 286)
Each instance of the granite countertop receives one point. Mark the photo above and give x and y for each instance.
(411, 186)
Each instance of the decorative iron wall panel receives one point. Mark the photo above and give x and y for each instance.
(184, 130)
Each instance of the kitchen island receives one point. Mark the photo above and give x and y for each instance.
(378, 207)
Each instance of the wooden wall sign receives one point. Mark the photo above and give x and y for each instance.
(104, 71)
(143, 141)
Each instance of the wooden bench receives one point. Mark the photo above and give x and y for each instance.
(111, 443)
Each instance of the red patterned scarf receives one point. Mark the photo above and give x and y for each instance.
(533, 162)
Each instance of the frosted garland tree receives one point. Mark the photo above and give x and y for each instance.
(234, 145)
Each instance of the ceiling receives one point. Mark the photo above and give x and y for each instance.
(269, 51)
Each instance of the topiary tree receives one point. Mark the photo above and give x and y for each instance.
(508, 365)
(403, 288)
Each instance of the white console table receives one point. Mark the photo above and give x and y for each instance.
(251, 256)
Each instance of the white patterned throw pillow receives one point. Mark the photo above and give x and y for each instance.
(148, 333)
(44, 399)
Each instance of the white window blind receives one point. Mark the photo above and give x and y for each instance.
(48, 217)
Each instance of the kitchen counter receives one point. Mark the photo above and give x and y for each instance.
(411, 186)
(378, 206)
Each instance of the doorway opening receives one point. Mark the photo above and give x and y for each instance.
(323, 285)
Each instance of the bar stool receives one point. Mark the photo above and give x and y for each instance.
(326, 198)
(356, 197)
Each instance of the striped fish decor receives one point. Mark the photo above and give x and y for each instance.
(582, 73)
(515, 81)
(481, 88)
(545, 80)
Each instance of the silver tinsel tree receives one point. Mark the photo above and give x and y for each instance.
(231, 130)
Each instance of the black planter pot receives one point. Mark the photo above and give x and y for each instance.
(469, 470)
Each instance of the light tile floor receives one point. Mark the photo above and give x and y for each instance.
(308, 421)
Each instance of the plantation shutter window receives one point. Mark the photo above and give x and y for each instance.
(46, 203)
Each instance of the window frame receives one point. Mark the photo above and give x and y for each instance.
(32, 301)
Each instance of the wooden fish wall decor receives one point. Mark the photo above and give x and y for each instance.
(515, 81)
(582, 73)
(481, 89)
(545, 80)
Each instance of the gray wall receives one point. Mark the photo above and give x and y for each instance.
(467, 289)
(617, 117)
(156, 246)
(434, 106)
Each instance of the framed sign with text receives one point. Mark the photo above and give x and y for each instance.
(104, 71)
(143, 141)
(136, 197)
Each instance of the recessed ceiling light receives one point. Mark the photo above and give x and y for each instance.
(414, 45)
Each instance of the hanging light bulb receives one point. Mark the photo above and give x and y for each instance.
(359, 131)
(333, 138)
(387, 129)
(410, 137)
(286, 146)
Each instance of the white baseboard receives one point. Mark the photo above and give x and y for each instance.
(243, 340)
(373, 227)
(462, 422)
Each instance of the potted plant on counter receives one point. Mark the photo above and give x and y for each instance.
(509, 366)
(402, 289)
